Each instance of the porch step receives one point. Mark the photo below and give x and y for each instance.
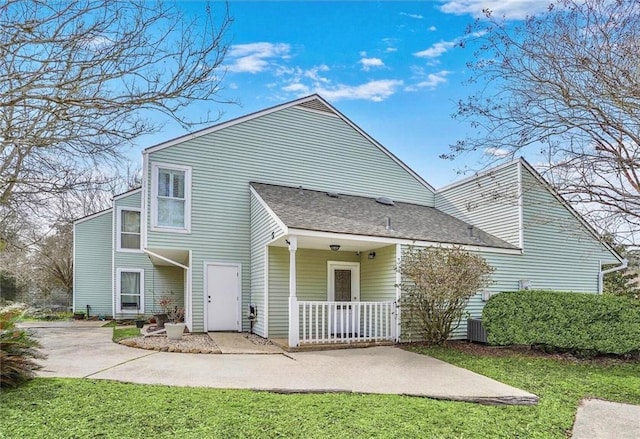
(305, 347)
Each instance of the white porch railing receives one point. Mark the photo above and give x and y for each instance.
(346, 322)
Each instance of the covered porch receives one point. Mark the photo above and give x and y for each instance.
(332, 291)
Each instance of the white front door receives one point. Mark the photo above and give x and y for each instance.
(223, 297)
(344, 286)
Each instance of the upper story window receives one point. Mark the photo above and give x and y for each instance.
(128, 226)
(171, 197)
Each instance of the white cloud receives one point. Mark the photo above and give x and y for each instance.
(436, 50)
(296, 88)
(368, 63)
(430, 81)
(416, 16)
(375, 91)
(512, 9)
(391, 49)
(433, 28)
(256, 57)
(497, 152)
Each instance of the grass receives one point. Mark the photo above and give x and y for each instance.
(126, 332)
(70, 408)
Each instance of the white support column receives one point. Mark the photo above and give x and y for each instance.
(398, 324)
(294, 327)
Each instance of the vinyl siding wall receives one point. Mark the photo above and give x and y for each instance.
(92, 265)
(158, 281)
(489, 202)
(559, 252)
(263, 230)
(378, 275)
(292, 147)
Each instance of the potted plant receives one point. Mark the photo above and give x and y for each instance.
(175, 316)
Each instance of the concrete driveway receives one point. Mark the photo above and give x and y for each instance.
(82, 350)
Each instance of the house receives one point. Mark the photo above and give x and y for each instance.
(295, 211)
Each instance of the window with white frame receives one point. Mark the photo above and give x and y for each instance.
(171, 202)
(130, 290)
(128, 226)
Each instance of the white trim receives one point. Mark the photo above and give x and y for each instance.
(92, 216)
(294, 103)
(266, 292)
(380, 239)
(355, 279)
(118, 231)
(398, 291)
(571, 210)
(188, 293)
(155, 167)
(272, 214)
(520, 207)
(205, 276)
(144, 199)
(164, 258)
(126, 194)
(113, 264)
(477, 175)
(73, 281)
(118, 296)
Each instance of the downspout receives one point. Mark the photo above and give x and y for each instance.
(625, 263)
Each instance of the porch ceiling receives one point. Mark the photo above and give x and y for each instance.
(168, 256)
(323, 243)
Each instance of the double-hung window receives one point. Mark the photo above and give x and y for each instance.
(128, 226)
(171, 203)
(130, 290)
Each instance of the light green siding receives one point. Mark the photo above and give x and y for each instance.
(92, 264)
(263, 229)
(559, 252)
(292, 147)
(311, 284)
(158, 281)
(378, 275)
(489, 202)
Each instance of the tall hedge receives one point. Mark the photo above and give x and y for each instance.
(575, 322)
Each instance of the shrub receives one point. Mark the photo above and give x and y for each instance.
(585, 324)
(18, 350)
(437, 284)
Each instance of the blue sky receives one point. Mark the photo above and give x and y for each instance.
(393, 68)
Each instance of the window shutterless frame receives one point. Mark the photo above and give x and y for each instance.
(156, 169)
(120, 232)
(125, 306)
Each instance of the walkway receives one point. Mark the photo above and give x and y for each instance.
(85, 351)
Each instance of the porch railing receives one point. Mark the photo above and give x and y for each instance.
(346, 322)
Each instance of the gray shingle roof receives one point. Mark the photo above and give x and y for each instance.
(315, 210)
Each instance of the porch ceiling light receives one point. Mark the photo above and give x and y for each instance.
(334, 247)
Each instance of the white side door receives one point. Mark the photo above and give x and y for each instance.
(223, 297)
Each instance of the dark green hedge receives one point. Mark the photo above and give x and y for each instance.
(580, 323)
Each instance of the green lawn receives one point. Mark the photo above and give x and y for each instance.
(70, 408)
(126, 332)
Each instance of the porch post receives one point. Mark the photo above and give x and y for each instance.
(294, 329)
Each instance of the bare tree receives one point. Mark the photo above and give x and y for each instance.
(564, 85)
(81, 79)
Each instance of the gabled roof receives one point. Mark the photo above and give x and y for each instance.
(306, 209)
(312, 102)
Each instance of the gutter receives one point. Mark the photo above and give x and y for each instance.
(625, 264)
